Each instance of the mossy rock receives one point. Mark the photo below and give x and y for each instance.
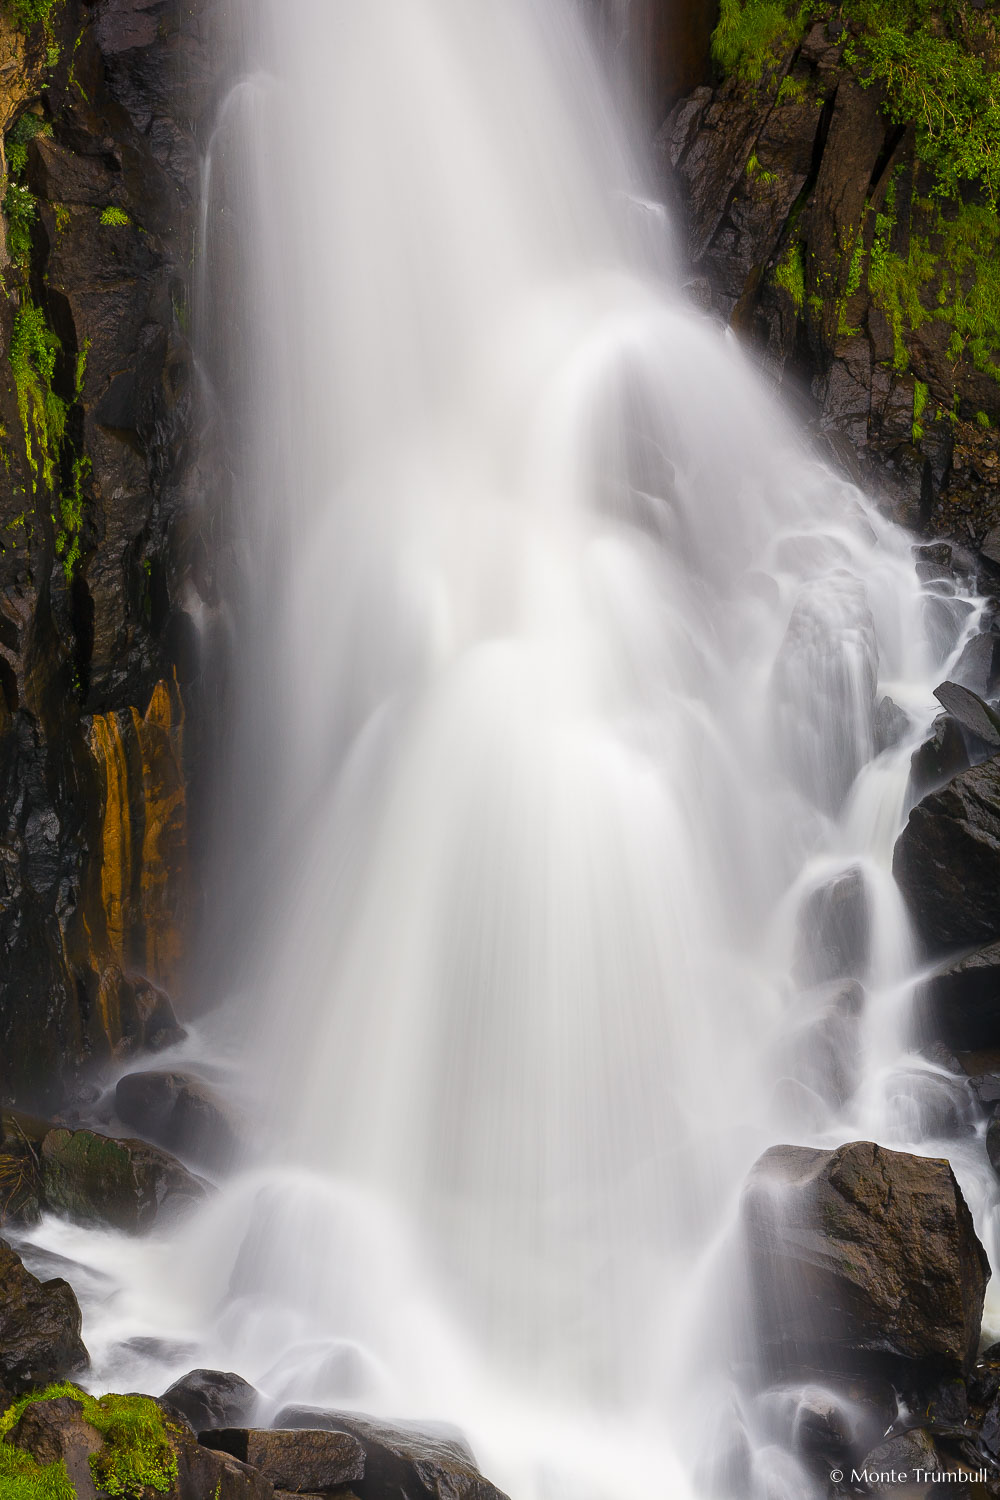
(125, 1184)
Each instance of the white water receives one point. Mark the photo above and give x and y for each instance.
(561, 667)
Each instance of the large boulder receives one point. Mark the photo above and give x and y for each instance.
(303, 1462)
(126, 1184)
(40, 1325)
(179, 1112)
(402, 1462)
(861, 1257)
(212, 1398)
(961, 1002)
(947, 861)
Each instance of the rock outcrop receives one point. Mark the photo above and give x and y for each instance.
(40, 1325)
(816, 229)
(100, 108)
(862, 1259)
(386, 1462)
(947, 861)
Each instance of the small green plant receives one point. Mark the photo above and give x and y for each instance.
(19, 208)
(983, 420)
(115, 216)
(919, 403)
(792, 90)
(137, 1453)
(756, 172)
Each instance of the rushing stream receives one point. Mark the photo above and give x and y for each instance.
(561, 661)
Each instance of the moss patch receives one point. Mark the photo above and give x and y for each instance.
(137, 1453)
(790, 275)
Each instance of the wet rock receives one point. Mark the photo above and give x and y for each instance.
(835, 930)
(970, 712)
(55, 1430)
(212, 1398)
(179, 1112)
(942, 756)
(400, 1459)
(203, 1474)
(39, 1326)
(975, 667)
(861, 1256)
(126, 1184)
(961, 1002)
(901, 1455)
(993, 1143)
(947, 861)
(892, 724)
(303, 1461)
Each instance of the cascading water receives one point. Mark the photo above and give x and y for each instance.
(561, 667)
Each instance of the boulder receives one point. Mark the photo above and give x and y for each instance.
(206, 1475)
(891, 725)
(835, 930)
(40, 1325)
(947, 861)
(861, 1259)
(179, 1112)
(212, 1398)
(400, 1460)
(961, 1002)
(56, 1430)
(941, 756)
(970, 712)
(304, 1462)
(126, 1184)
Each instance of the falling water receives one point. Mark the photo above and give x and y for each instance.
(561, 660)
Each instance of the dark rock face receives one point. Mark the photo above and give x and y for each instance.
(126, 1184)
(56, 1430)
(861, 1258)
(947, 861)
(786, 187)
(212, 1398)
(96, 664)
(401, 1462)
(303, 1462)
(962, 1001)
(39, 1326)
(179, 1112)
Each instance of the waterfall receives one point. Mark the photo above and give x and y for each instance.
(560, 657)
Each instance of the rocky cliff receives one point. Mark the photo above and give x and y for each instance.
(838, 184)
(100, 559)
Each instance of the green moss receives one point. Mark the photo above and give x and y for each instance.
(790, 275)
(753, 35)
(20, 212)
(27, 13)
(33, 351)
(919, 403)
(137, 1453)
(116, 216)
(983, 420)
